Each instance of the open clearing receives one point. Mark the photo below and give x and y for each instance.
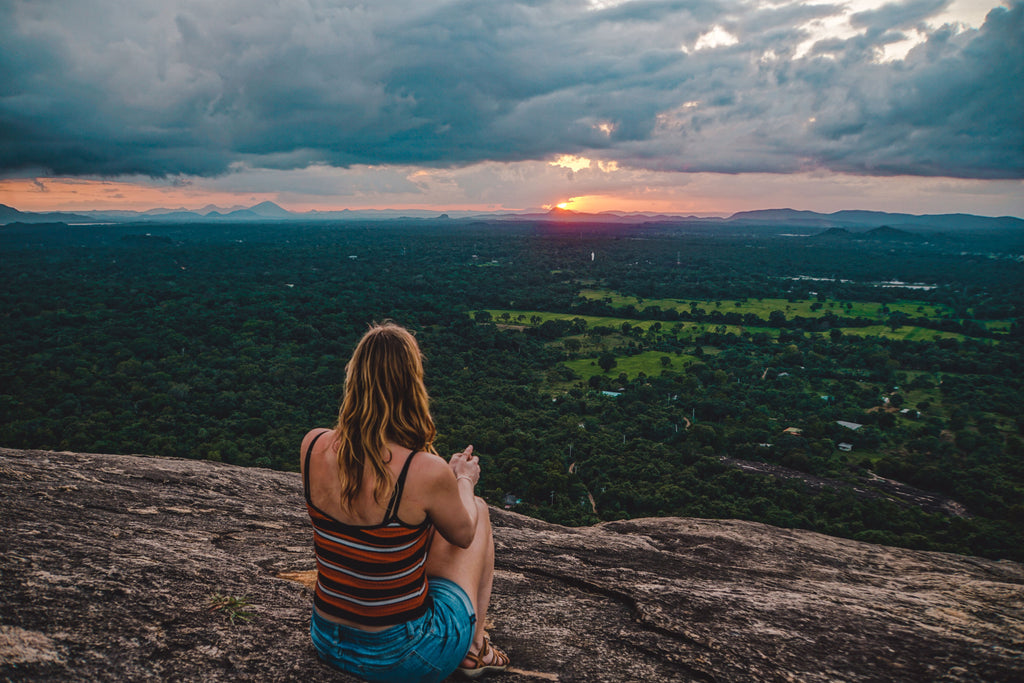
(648, 362)
(688, 331)
(806, 308)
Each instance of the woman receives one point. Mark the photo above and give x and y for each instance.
(394, 600)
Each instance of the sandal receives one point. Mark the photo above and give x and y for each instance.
(499, 661)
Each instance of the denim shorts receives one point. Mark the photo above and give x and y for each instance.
(426, 649)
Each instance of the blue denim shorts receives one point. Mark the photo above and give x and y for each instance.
(426, 649)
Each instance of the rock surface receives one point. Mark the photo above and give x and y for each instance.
(109, 564)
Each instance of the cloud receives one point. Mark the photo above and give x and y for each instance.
(170, 88)
(898, 15)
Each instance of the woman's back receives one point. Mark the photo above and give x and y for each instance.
(325, 487)
(370, 563)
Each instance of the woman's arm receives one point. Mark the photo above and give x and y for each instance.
(452, 505)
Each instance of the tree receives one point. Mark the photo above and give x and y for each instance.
(606, 362)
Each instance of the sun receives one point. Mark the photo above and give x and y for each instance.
(563, 205)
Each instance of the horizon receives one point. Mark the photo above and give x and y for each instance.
(554, 212)
(593, 106)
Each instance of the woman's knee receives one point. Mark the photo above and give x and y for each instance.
(483, 513)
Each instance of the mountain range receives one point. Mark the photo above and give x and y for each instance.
(269, 211)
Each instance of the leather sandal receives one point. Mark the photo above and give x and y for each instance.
(499, 661)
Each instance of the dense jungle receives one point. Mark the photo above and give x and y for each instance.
(865, 384)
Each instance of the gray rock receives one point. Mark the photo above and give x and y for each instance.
(109, 564)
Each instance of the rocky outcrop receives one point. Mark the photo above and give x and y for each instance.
(109, 564)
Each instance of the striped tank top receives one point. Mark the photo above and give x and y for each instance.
(370, 575)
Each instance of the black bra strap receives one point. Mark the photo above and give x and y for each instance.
(396, 498)
(305, 470)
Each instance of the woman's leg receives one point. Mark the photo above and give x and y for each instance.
(471, 568)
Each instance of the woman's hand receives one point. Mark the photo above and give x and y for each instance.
(465, 465)
(452, 505)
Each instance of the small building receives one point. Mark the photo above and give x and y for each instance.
(795, 431)
(849, 425)
(612, 394)
(844, 446)
(511, 500)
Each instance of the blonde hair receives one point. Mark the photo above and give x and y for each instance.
(384, 398)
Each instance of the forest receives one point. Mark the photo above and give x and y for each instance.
(866, 385)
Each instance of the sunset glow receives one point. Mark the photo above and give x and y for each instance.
(77, 194)
(598, 203)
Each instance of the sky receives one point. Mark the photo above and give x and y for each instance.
(673, 106)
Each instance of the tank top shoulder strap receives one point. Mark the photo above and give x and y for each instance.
(305, 469)
(396, 497)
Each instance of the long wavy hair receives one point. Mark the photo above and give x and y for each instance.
(385, 398)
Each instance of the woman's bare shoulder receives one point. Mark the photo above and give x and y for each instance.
(428, 466)
(308, 439)
(312, 434)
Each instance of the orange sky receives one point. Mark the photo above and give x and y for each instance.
(596, 203)
(533, 185)
(72, 194)
(68, 194)
(57, 194)
(63, 194)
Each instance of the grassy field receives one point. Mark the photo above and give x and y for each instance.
(762, 308)
(689, 331)
(907, 332)
(999, 326)
(931, 395)
(525, 318)
(648, 362)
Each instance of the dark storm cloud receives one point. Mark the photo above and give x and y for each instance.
(953, 105)
(189, 87)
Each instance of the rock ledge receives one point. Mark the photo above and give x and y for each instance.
(109, 562)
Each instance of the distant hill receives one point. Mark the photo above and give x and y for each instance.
(785, 216)
(270, 210)
(169, 217)
(876, 219)
(949, 221)
(748, 220)
(834, 234)
(9, 214)
(890, 234)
